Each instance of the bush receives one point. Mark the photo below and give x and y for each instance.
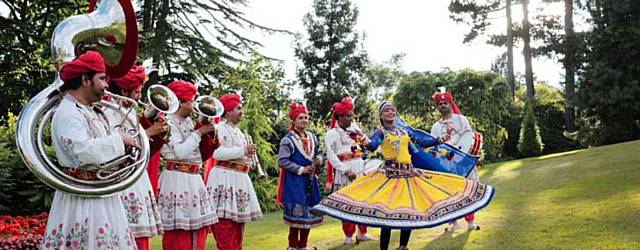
(22, 192)
(530, 142)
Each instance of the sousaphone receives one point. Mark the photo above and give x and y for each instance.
(112, 30)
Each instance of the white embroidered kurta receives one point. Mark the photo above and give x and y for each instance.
(81, 136)
(338, 141)
(458, 127)
(232, 193)
(138, 200)
(183, 199)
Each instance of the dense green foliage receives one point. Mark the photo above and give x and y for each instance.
(482, 96)
(22, 192)
(609, 87)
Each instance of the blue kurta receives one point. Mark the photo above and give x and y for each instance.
(300, 192)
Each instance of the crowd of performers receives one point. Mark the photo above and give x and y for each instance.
(390, 190)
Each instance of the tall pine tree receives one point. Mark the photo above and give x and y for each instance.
(333, 61)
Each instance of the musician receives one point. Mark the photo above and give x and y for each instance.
(298, 189)
(231, 190)
(344, 158)
(82, 139)
(451, 128)
(139, 200)
(183, 199)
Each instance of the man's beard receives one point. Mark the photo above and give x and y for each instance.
(96, 94)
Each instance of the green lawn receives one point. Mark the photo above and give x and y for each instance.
(585, 199)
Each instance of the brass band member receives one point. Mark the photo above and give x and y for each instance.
(229, 185)
(82, 138)
(183, 199)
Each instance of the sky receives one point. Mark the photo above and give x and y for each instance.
(420, 29)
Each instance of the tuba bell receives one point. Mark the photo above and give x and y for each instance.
(111, 30)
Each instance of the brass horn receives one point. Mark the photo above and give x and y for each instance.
(208, 106)
(112, 30)
(162, 99)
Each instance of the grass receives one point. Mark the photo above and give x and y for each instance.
(584, 199)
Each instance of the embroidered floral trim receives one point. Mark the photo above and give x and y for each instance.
(134, 207)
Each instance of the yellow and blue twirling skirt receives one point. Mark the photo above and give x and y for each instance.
(397, 196)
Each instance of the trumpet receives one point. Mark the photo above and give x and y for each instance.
(255, 162)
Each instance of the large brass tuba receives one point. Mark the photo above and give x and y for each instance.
(112, 30)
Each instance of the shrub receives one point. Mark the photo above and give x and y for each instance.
(530, 141)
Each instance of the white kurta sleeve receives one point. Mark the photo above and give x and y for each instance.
(435, 130)
(182, 148)
(227, 150)
(464, 124)
(74, 136)
(331, 140)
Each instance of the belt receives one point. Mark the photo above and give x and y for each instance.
(81, 174)
(348, 156)
(188, 168)
(232, 165)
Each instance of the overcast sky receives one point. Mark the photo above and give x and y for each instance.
(420, 29)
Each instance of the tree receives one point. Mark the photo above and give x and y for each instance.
(476, 14)
(526, 51)
(25, 34)
(559, 38)
(530, 141)
(569, 62)
(333, 61)
(609, 87)
(196, 40)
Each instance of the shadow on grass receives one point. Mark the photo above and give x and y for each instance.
(447, 240)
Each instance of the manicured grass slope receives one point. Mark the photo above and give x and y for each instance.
(585, 199)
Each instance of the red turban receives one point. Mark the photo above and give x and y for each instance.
(340, 108)
(185, 91)
(343, 107)
(446, 96)
(230, 101)
(295, 110)
(132, 80)
(91, 61)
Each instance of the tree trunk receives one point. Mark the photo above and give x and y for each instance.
(510, 74)
(569, 66)
(528, 69)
